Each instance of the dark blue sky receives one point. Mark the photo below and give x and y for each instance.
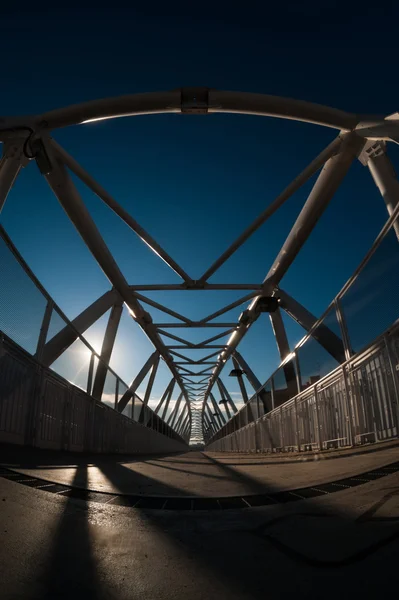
(195, 182)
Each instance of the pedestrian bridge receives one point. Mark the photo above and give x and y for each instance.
(337, 388)
(195, 477)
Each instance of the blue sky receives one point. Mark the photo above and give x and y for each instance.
(195, 182)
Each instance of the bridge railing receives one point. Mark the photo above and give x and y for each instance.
(330, 402)
(30, 318)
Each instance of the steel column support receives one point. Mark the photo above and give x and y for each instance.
(284, 350)
(221, 417)
(137, 381)
(164, 396)
(68, 335)
(323, 190)
(240, 381)
(384, 176)
(149, 389)
(44, 330)
(253, 380)
(168, 399)
(180, 419)
(175, 412)
(223, 392)
(326, 338)
(106, 350)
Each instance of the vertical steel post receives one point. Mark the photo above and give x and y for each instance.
(44, 330)
(343, 328)
(375, 157)
(90, 374)
(395, 383)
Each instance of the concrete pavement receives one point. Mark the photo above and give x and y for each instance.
(340, 545)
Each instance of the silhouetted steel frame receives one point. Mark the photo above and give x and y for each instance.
(357, 130)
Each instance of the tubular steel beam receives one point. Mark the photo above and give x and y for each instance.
(325, 336)
(137, 381)
(241, 382)
(174, 412)
(106, 350)
(224, 393)
(164, 396)
(221, 417)
(195, 286)
(163, 308)
(326, 184)
(227, 308)
(323, 190)
(284, 350)
(185, 100)
(384, 176)
(194, 325)
(253, 380)
(165, 410)
(295, 185)
(118, 210)
(151, 382)
(68, 335)
(69, 198)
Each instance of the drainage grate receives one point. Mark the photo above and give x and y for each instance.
(234, 502)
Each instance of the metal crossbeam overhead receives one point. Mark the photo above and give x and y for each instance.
(196, 286)
(365, 138)
(194, 324)
(75, 167)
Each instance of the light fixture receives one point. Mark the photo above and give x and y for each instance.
(268, 304)
(236, 373)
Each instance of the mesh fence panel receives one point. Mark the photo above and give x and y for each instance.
(73, 364)
(108, 396)
(56, 324)
(371, 304)
(314, 360)
(22, 305)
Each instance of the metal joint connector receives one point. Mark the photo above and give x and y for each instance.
(194, 100)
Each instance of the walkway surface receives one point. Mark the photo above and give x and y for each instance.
(195, 473)
(343, 544)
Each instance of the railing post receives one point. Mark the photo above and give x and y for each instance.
(41, 342)
(351, 420)
(281, 428)
(316, 400)
(90, 374)
(394, 368)
(344, 328)
(116, 394)
(297, 425)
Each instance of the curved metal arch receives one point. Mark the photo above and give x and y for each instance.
(191, 100)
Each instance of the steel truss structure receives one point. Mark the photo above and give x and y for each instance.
(30, 138)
